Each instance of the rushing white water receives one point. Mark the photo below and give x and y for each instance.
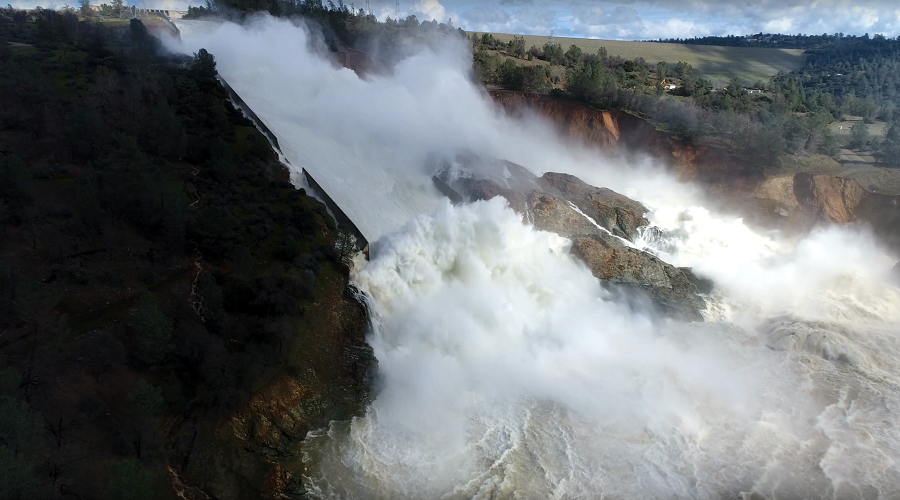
(366, 141)
(507, 371)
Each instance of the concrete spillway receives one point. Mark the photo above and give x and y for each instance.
(302, 177)
(378, 186)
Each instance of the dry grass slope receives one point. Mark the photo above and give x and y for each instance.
(718, 64)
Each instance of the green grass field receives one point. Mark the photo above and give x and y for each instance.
(717, 64)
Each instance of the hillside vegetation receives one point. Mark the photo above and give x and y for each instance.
(716, 64)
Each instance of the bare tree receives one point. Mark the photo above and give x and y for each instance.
(346, 246)
(60, 427)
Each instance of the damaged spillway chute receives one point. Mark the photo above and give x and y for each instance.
(306, 180)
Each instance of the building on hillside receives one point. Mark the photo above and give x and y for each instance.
(668, 83)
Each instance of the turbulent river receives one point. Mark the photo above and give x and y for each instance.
(507, 371)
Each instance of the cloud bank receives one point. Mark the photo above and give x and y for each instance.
(653, 19)
(629, 19)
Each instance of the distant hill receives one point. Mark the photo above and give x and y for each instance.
(717, 64)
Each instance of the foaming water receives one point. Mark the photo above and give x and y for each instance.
(507, 368)
(507, 371)
(833, 274)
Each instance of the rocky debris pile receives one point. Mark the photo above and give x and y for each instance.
(600, 222)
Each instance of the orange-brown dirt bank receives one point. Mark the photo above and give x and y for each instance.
(771, 196)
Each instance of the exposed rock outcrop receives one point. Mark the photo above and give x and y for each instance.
(619, 214)
(551, 213)
(469, 177)
(327, 378)
(674, 290)
(608, 129)
(599, 221)
(362, 63)
(777, 194)
(829, 198)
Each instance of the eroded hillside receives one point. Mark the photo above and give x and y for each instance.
(796, 194)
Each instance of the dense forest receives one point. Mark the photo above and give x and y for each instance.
(156, 268)
(862, 73)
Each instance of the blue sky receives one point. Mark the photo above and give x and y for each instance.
(631, 19)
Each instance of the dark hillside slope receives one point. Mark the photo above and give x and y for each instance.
(173, 314)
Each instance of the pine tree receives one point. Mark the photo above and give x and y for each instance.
(859, 136)
(889, 149)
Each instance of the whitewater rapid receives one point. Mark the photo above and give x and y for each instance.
(508, 371)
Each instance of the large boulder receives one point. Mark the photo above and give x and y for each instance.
(609, 259)
(619, 214)
(599, 221)
(469, 177)
(551, 213)
(675, 291)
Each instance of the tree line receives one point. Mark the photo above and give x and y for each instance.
(769, 40)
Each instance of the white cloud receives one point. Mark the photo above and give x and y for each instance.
(484, 15)
(529, 20)
(618, 23)
(628, 19)
(426, 10)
